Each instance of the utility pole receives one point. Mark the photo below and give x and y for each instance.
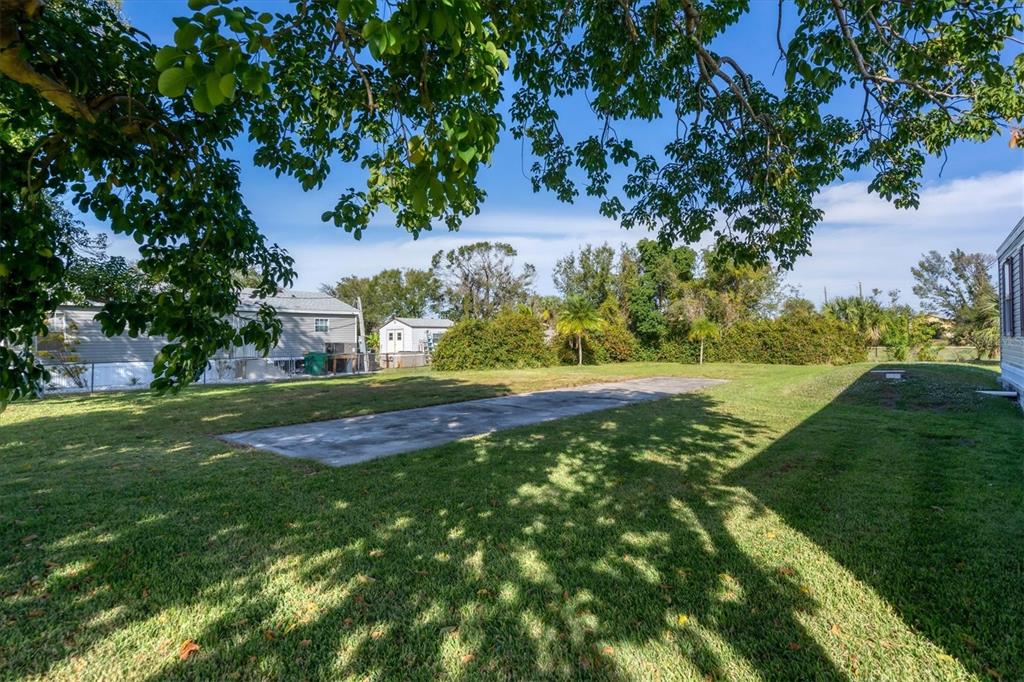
(860, 291)
(826, 295)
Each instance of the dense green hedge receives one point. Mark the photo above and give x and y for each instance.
(512, 339)
(805, 340)
(614, 343)
(516, 339)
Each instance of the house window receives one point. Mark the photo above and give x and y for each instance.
(321, 324)
(1009, 327)
(398, 336)
(391, 336)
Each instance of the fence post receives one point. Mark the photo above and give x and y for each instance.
(92, 377)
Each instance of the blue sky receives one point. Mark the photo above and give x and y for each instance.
(972, 204)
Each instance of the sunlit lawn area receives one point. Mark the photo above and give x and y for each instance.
(793, 523)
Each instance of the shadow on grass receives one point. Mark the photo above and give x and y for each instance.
(916, 487)
(553, 550)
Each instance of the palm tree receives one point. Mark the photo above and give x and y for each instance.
(578, 317)
(702, 329)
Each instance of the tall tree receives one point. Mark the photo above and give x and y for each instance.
(957, 286)
(479, 279)
(392, 292)
(411, 92)
(659, 272)
(590, 274)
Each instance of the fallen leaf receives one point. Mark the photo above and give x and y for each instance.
(347, 621)
(946, 658)
(994, 674)
(305, 643)
(682, 619)
(268, 635)
(608, 651)
(187, 648)
(468, 658)
(770, 536)
(835, 629)
(786, 571)
(377, 553)
(29, 538)
(36, 613)
(376, 634)
(793, 646)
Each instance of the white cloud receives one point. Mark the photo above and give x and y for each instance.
(865, 239)
(862, 238)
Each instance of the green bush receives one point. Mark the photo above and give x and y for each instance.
(803, 340)
(614, 343)
(513, 338)
(790, 340)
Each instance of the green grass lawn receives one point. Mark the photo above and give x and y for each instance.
(793, 523)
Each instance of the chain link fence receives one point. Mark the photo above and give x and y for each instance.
(86, 377)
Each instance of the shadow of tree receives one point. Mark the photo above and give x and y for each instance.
(564, 550)
(916, 487)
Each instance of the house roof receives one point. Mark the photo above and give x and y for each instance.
(1015, 233)
(423, 322)
(291, 301)
(285, 301)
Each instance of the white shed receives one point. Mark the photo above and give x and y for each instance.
(411, 334)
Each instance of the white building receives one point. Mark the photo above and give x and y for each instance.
(1010, 257)
(411, 334)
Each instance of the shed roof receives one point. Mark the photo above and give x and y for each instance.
(423, 322)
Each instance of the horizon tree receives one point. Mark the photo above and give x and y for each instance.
(479, 279)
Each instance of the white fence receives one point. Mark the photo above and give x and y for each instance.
(72, 377)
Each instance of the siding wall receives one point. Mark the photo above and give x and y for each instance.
(298, 337)
(93, 346)
(1012, 345)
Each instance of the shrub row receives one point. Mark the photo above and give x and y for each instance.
(805, 340)
(511, 339)
(516, 339)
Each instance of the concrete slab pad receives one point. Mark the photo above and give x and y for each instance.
(339, 442)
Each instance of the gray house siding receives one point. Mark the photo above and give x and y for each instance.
(1012, 340)
(93, 346)
(298, 337)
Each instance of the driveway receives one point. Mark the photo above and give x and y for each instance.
(339, 442)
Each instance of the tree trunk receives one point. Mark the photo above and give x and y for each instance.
(701, 352)
(579, 347)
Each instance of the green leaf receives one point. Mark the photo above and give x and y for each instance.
(166, 56)
(196, 5)
(227, 85)
(186, 35)
(201, 101)
(213, 92)
(172, 82)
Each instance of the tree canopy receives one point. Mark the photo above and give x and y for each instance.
(479, 279)
(391, 292)
(413, 94)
